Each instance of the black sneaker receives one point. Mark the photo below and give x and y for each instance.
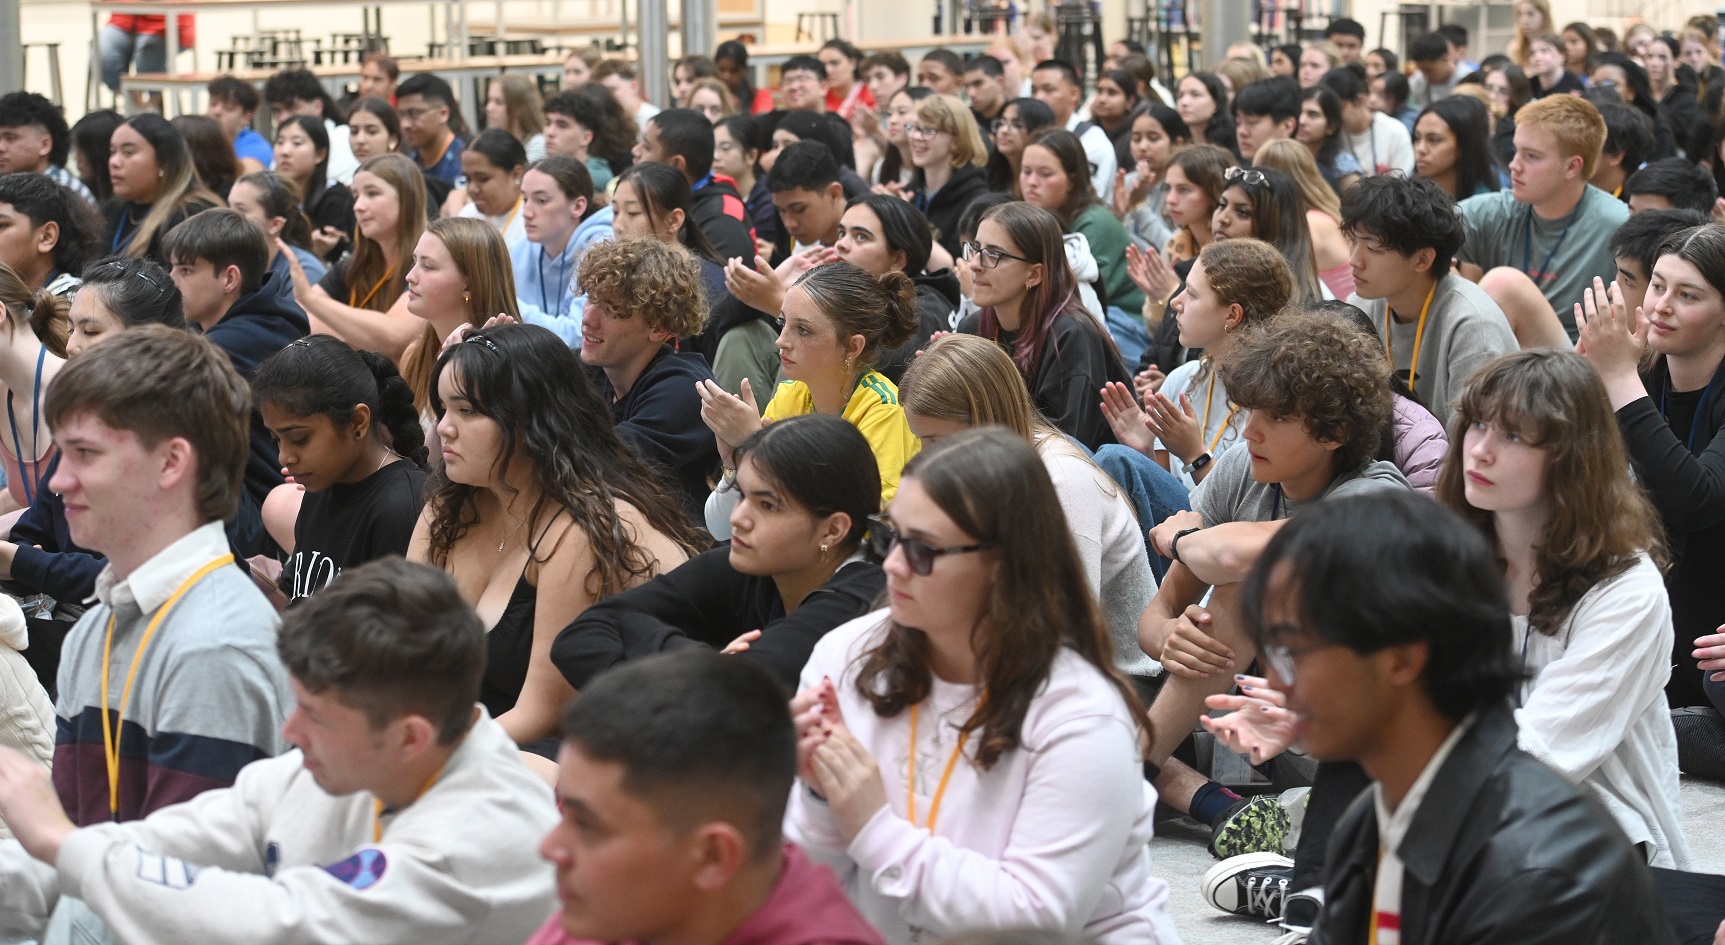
(1700, 742)
(1257, 824)
(1250, 884)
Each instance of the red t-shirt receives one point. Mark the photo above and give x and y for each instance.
(143, 25)
(836, 103)
(807, 907)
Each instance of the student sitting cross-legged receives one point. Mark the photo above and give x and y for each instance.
(406, 815)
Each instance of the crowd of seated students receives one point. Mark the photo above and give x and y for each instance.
(854, 496)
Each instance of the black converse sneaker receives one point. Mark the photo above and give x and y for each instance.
(1250, 884)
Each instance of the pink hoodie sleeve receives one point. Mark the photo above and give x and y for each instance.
(1420, 444)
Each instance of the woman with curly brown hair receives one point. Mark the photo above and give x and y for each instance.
(643, 294)
(993, 653)
(537, 511)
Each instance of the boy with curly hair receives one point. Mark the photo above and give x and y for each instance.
(1316, 394)
(641, 295)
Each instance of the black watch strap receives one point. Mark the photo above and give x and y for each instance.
(1174, 546)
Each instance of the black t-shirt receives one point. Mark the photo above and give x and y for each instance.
(334, 283)
(1679, 410)
(345, 526)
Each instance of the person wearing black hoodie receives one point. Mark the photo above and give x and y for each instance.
(221, 267)
(683, 138)
(949, 155)
(641, 295)
(880, 233)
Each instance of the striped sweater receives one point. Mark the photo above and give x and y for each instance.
(209, 695)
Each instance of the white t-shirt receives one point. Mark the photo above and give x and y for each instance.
(1392, 827)
(510, 225)
(1219, 419)
(1385, 146)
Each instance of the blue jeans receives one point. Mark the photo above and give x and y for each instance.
(1153, 491)
(116, 49)
(1129, 335)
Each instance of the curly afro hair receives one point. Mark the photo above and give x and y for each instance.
(644, 278)
(1319, 368)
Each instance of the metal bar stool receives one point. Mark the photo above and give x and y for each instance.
(53, 67)
(827, 23)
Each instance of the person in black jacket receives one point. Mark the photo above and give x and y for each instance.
(221, 266)
(949, 154)
(642, 294)
(792, 572)
(1384, 621)
(1030, 306)
(880, 234)
(1671, 417)
(683, 138)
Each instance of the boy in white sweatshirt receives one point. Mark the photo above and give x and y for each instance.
(406, 815)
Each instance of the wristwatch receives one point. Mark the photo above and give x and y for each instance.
(1200, 462)
(1174, 546)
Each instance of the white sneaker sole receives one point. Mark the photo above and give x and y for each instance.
(1218, 881)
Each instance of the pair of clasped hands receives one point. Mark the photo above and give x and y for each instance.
(832, 762)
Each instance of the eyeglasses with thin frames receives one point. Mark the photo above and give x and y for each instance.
(1282, 658)
(986, 258)
(923, 132)
(920, 555)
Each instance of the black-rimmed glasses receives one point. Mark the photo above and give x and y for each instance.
(986, 258)
(920, 555)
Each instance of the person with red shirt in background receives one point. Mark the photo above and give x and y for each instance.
(138, 39)
(672, 782)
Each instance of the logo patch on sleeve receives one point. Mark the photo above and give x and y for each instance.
(363, 870)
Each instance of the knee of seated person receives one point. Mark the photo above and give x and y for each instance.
(1507, 282)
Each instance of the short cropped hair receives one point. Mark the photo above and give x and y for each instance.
(686, 132)
(1454, 32)
(1406, 215)
(1573, 121)
(644, 278)
(805, 165)
(1428, 47)
(1345, 27)
(614, 67)
(947, 58)
(429, 86)
(27, 109)
(1277, 97)
(1066, 70)
(987, 65)
(391, 639)
(891, 61)
(1640, 236)
(809, 64)
(222, 238)
(1686, 184)
(1390, 569)
(699, 736)
(234, 91)
(160, 383)
(1313, 366)
(1628, 132)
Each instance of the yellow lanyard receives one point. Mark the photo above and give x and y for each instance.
(368, 296)
(377, 808)
(946, 776)
(1233, 408)
(504, 229)
(1419, 336)
(111, 732)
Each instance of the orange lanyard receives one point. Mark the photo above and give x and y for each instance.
(368, 296)
(111, 732)
(945, 777)
(377, 808)
(1233, 408)
(1419, 336)
(504, 229)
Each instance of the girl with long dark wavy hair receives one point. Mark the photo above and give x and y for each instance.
(976, 752)
(1265, 204)
(1536, 462)
(1452, 146)
(155, 185)
(537, 511)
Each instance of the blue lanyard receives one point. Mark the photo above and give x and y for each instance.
(562, 280)
(17, 441)
(1700, 408)
(120, 228)
(1527, 243)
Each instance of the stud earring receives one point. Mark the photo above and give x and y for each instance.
(823, 554)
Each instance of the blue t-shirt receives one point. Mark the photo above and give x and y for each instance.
(448, 167)
(252, 145)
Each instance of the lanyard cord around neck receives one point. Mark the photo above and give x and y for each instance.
(562, 280)
(353, 292)
(17, 441)
(945, 777)
(1419, 336)
(378, 810)
(504, 229)
(1527, 243)
(120, 228)
(113, 731)
(1210, 395)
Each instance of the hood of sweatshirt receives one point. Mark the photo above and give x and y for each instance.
(942, 282)
(260, 324)
(595, 229)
